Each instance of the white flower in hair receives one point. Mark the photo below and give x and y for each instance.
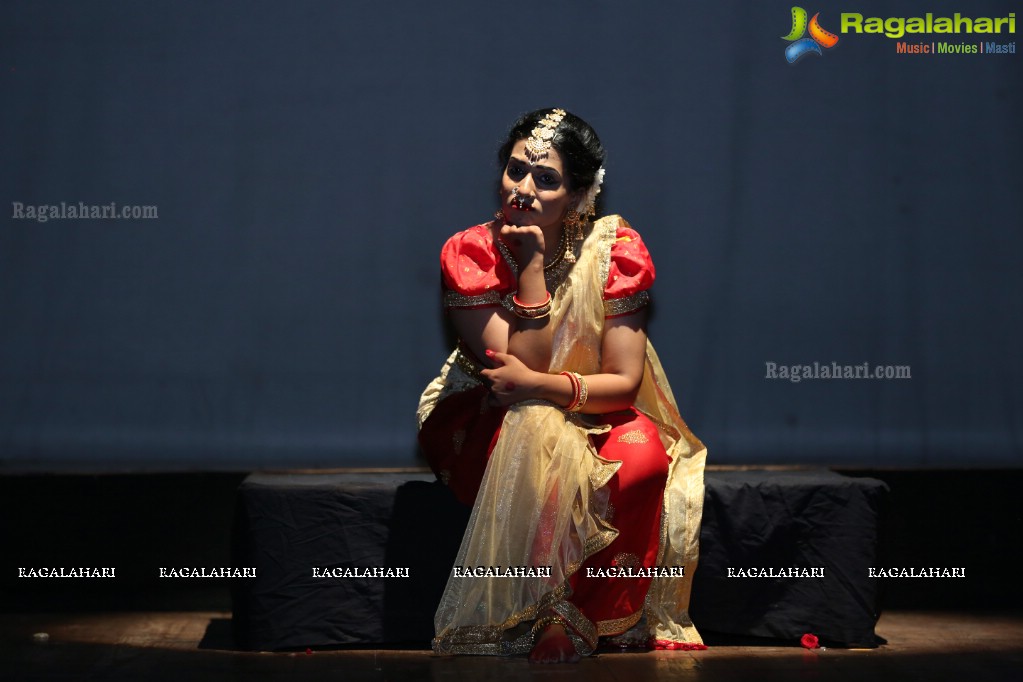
(587, 203)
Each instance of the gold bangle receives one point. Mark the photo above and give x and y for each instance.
(583, 394)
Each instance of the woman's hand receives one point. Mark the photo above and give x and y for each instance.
(511, 381)
(525, 242)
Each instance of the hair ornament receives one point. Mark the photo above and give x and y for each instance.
(538, 146)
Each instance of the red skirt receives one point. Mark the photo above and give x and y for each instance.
(457, 439)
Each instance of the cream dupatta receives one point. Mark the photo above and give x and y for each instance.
(543, 499)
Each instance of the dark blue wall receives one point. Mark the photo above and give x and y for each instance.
(308, 160)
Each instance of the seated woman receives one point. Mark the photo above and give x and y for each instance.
(554, 420)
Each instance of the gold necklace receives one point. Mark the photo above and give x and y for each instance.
(560, 253)
(547, 266)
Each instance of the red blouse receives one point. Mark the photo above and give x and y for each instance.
(476, 275)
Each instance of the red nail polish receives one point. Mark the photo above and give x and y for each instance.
(490, 353)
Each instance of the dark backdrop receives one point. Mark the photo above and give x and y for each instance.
(308, 160)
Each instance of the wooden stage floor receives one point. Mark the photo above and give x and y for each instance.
(196, 646)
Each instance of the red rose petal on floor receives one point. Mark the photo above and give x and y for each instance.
(809, 641)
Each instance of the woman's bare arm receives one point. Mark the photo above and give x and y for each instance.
(496, 329)
(623, 353)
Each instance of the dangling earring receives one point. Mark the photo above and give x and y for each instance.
(574, 224)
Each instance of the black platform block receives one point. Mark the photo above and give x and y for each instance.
(287, 525)
(755, 520)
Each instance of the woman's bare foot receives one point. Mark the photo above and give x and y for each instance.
(553, 646)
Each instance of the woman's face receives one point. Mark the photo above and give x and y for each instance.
(535, 194)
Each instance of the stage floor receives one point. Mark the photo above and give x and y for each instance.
(197, 646)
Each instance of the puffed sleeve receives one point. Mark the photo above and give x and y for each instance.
(630, 276)
(475, 274)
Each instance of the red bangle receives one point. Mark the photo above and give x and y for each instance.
(532, 311)
(575, 390)
(529, 306)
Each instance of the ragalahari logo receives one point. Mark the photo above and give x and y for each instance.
(817, 39)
